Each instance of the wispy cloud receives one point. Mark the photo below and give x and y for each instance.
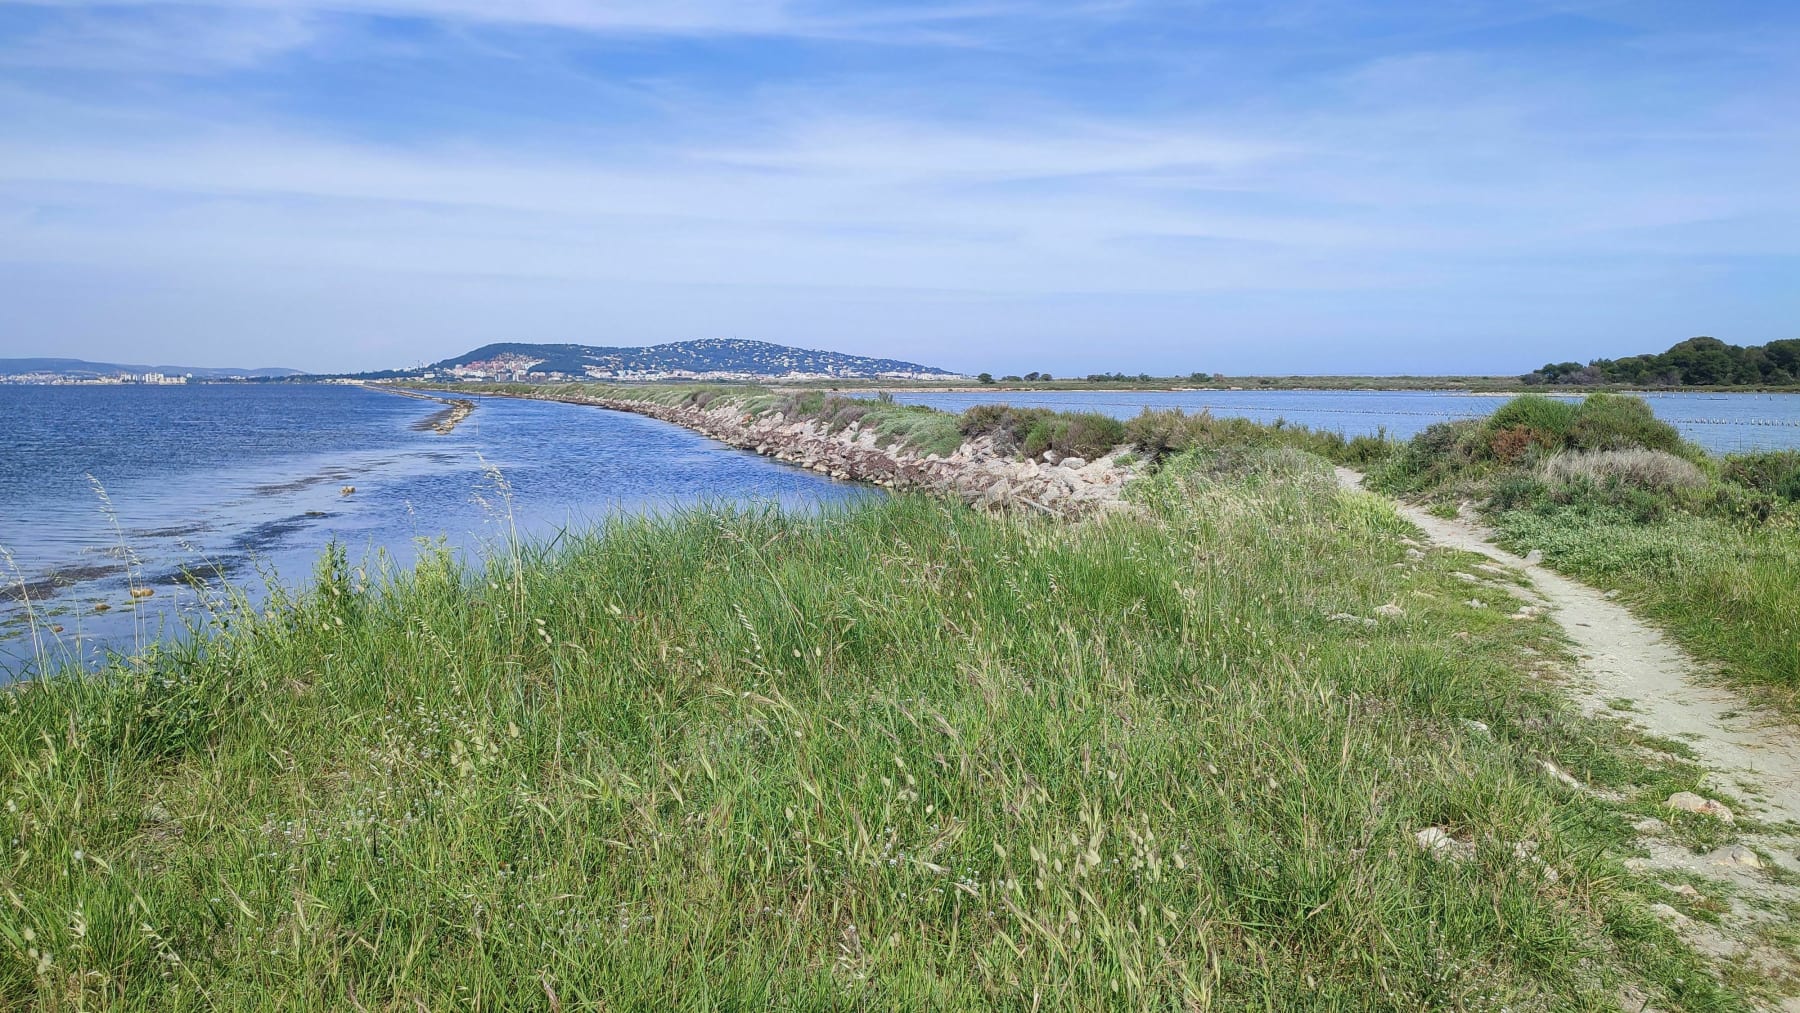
(175, 40)
(898, 22)
(636, 171)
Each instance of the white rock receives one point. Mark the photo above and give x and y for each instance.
(1467, 578)
(1687, 801)
(1560, 774)
(1734, 855)
(1437, 842)
(1476, 603)
(1534, 557)
(1074, 463)
(1664, 912)
(1478, 727)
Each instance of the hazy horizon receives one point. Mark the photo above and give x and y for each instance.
(1164, 187)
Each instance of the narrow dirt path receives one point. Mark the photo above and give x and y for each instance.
(1756, 756)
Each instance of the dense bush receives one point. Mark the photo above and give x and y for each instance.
(802, 404)
(1618, 422)
(1031, 431)
(839, 412)
(1074, 434)
(1006, 425)
(1366, 450)
(1441, 451)
(1548, 421)
(1776, 472)
(1159, 434)
(1607, 454)
(1532, 427)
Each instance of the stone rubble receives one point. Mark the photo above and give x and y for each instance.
(976, 473)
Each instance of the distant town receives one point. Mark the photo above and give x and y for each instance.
(64, 379)
(512, 368)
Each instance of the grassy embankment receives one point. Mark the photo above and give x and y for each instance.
(905, 756)
(1705, 546)
(1708, 547)
(1023, 432)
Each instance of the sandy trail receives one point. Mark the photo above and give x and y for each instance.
(1753, 754)
(1750, 753)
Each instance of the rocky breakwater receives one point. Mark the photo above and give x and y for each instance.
(977, 473)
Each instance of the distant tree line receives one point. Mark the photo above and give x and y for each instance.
(1694, 362)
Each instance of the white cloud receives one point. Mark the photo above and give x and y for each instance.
(176, 40)
(1423, 183)
(908, 22)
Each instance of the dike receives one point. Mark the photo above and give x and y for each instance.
(976, 473)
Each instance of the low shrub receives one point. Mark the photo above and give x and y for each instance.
(1441, 451)
(1548, 420)
(803, 404)
(1514, 444)
(1517, 490)
(1159, 434)
(1074, 434)
(1776, 472)
(1533, 428)
(1365, 450)
(839, 412)
(1619, 422)
(1653, 470)
(921, 429)
(1006, 425)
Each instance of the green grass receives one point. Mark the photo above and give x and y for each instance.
(1015, 432)
(905, 756)
(1705, 547)
(1728, 590)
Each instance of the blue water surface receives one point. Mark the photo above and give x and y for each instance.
(1718, 422)
(106, 488)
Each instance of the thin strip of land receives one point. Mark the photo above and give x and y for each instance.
(456, 410)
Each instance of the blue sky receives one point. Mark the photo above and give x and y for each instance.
(1318, 186)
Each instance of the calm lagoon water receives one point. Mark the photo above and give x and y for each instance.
(1718, 422)
(243, 482)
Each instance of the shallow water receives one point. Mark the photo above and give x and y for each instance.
(1718, 422)
(245, 482)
